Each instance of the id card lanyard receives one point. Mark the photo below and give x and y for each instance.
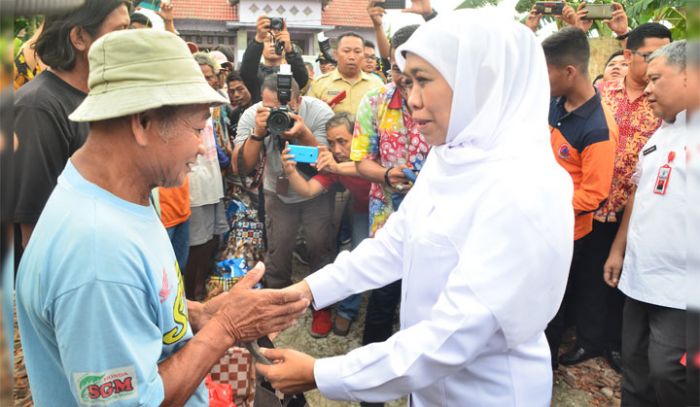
(664, 175)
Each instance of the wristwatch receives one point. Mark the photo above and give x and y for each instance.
(430, 16)
(623, 36)
(256, 138)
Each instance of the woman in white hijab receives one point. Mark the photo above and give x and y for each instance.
(482, 242)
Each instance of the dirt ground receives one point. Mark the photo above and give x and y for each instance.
(592, 383)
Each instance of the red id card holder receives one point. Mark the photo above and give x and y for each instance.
(662, 179)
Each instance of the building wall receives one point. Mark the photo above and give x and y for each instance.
(303, 18)
(295, 12)
(601, 49)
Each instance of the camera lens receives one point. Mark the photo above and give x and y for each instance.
(278, 122)
(276, 23)
(279, 47)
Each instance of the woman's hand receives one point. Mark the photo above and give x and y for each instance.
(290, 372)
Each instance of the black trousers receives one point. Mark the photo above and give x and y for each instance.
(577, 299)
(605, 308)
(692, 343)
(653, 342)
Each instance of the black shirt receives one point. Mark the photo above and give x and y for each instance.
(46, 140)
(254, 73)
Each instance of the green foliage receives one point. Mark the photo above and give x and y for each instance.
(638, 12)
(26, 26)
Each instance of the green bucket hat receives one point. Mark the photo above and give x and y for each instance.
(132, 71)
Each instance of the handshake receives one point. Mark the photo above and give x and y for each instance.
(245, 314)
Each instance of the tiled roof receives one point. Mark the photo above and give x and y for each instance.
(343, 13)
(346, 13)
(220, 10)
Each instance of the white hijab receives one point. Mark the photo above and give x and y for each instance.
(498, 127)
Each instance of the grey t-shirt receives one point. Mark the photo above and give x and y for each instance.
(315, 114)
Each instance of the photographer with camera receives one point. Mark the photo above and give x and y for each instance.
(273, 43)
(284, 116)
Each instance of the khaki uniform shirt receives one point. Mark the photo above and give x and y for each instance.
(329, 85)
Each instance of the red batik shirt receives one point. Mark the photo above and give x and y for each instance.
(636, 123)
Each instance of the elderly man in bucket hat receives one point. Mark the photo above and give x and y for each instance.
(100, 298)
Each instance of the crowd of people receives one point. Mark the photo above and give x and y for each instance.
(493, 193)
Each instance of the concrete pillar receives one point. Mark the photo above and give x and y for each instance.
(241, 43)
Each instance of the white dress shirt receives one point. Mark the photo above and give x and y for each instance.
(655, 256)
(450, 350)
(482, 242)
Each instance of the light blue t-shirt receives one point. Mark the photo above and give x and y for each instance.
(100, 300)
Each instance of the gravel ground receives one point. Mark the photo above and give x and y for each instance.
(592, 383)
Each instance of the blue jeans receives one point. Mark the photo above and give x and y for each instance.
(349, 307)
(180, 239)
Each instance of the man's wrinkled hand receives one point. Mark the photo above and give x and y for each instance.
(247, 314)
(291, 372)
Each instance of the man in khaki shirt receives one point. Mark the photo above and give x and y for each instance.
(348, 77)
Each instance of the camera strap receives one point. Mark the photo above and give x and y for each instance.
(255, 175)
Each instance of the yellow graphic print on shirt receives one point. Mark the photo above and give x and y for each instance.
(179, 313)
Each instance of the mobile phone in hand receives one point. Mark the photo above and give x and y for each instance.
(412, 176)
(150, 4)
(254, 350)
(550, 8)
(304, 154)
(392, 4)
(598, 11)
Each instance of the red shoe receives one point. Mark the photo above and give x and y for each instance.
(321, 325)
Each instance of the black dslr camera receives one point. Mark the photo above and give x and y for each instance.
(279, 120)
(277, 24)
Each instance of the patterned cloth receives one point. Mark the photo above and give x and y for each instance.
(636, 123)
(385, 133)
(237, 369)
(22, 72)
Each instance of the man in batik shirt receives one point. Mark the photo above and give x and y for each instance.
(636, 123)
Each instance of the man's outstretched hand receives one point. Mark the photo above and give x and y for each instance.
(246, 314)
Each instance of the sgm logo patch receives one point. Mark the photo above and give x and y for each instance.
(106, 387)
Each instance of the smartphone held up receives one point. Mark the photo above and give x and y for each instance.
(598, 11)
(549, 8)
(391, 4)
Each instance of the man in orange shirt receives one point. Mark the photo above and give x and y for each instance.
(584, 136)
(175, 214)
